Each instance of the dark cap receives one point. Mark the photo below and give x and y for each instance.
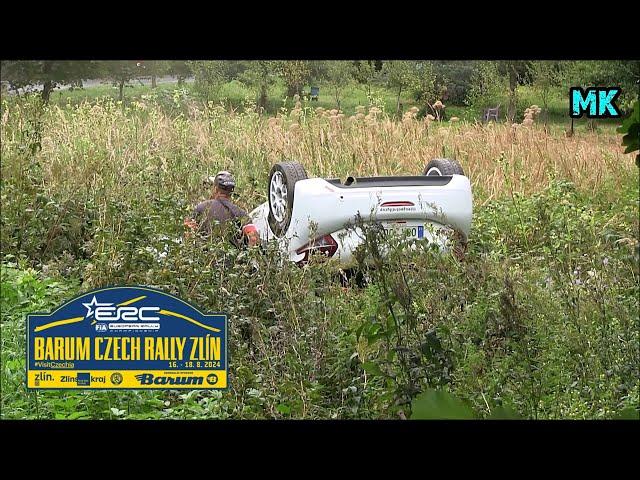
(223, 179)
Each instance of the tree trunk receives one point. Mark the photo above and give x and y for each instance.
(47, 87)
(153, 81)
(513, 84)
(121, 86)
(262, 101)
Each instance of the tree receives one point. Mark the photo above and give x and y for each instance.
(546, 76)
(261, 75)
(48, 74)
(296, 74)
(455, 78)
(487, 85)
(153, 69)
(121, 72)
(180, 69)
(516, 72)
(338, 74)
(423, 83)
(400, 75)
(610, 73)
(365, 73)
(318, 70)
(209, 76)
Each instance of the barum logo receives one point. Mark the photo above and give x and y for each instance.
(150, 379)
(594, 102)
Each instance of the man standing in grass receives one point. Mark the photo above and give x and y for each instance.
(220, 209)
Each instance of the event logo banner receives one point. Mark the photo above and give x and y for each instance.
(127, 338)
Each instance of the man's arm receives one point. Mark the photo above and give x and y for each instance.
(190, 222)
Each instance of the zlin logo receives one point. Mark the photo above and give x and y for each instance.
(595, 102)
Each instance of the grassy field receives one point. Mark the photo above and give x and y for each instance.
(540, 319)
(236, 95)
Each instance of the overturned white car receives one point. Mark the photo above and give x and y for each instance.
(316, 215)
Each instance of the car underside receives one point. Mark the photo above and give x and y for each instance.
(327, 216)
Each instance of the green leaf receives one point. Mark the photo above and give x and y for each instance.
(76, 415)
(372, 368)
(284, 409)
(631, 127)
(629, 413)
(503, 413)
(439, 404)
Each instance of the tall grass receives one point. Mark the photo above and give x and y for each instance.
(542, 316)
(105, 150)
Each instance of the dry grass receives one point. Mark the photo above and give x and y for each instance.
(111, 151)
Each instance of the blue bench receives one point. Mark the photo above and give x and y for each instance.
(315, 92)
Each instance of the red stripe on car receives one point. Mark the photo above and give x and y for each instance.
(397, 204)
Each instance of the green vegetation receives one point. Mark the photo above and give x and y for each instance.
(540, 320)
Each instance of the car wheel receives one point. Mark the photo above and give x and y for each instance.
(280, 191)
(443, 166)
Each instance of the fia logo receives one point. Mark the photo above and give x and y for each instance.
(595, 102)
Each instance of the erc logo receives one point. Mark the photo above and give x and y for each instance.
(106, 316)
(107, 312)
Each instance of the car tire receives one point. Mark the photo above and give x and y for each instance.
(280, 192)
(443, 166)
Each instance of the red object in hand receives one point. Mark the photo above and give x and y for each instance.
(192, 225)
(251, 232)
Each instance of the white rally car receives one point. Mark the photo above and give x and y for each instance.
(316, 215)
